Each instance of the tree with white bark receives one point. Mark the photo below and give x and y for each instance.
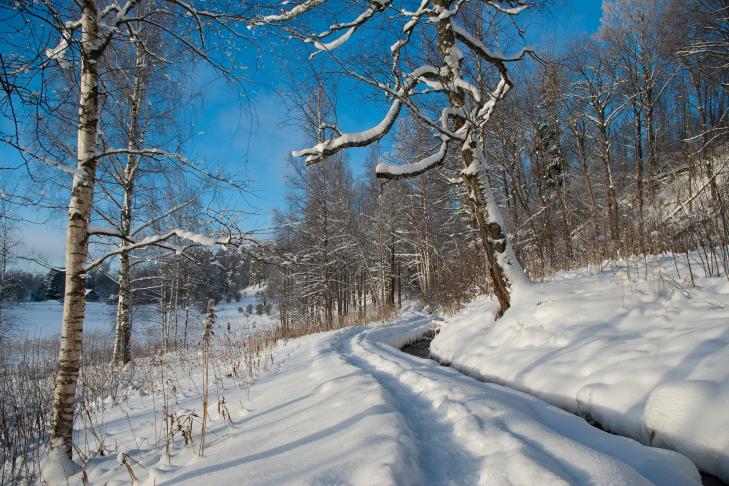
(83, 35)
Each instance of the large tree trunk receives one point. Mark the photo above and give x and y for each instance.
(504, 269)
(69, 358)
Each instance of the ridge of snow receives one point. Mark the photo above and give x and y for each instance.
(645, 358)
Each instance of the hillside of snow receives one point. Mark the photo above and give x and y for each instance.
(637, 349)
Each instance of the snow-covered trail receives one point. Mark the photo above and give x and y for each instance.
(347, 407)
(487, 434)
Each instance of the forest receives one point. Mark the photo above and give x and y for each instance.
(486, 162)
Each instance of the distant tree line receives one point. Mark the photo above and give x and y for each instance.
(617, 145)
(221, 276)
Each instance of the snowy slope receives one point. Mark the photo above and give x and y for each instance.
(346, 407)
(645, 358)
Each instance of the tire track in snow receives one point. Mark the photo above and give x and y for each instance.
(471, 432)
(441, 456)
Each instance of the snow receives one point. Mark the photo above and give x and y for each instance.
(409, 170)
(59, 52)
(293, 13)
(347, 407)
(43, 319)
(195, 237)
(470, 40)
(645, 357)
(58, 466)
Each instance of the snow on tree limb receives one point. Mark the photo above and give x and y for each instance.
(480, 48)
(49, 162)
(401, 171)
(156, 240)
(408, 31)
(375, 7)
(287, 15)
(510, 7)
(324, 149)
(484, 114)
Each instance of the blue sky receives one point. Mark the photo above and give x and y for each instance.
(257, 144)
(260, 146)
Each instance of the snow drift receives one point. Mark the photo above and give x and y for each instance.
(643, 357)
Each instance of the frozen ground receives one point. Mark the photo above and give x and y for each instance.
(644, 357)
(347, 407)
(43, 319)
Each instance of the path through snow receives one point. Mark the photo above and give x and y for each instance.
(347, 407)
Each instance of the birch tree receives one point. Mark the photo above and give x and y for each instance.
(83, 34)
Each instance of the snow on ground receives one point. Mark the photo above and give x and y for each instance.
(347, 407)
(645, 358)
(43, 319)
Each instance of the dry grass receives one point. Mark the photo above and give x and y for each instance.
(27, 371)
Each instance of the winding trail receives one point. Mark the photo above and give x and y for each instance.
(348, 407)
(489, 434)
(421, 349)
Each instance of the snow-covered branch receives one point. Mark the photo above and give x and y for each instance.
(49, 162)
(156, 240)
(510, 7)
(401, 171)
(287, 15)
(374, 7)
(324, 149)
(494, 57)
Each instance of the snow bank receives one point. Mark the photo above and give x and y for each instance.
(645, 358)
(347, 407)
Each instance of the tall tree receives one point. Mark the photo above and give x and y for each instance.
(462, 118)
(83, 33)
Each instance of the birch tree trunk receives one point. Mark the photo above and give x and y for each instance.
(69, 358)
(122, 351)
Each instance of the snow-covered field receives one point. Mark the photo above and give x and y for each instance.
(646, 358)
(347, 407)
(43, 319)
